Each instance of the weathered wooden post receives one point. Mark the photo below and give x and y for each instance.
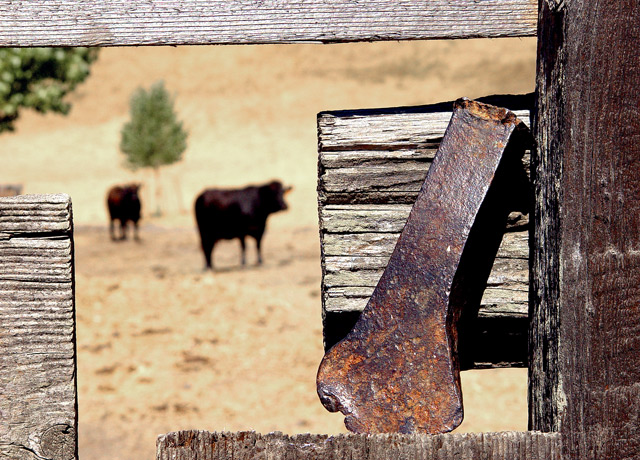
(38, 402)
(585, 334)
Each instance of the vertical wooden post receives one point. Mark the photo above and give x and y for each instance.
(585, 332)
(38, 404)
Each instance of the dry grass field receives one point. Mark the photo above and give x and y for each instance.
(164, 346)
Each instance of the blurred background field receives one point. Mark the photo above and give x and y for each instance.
(163, 345)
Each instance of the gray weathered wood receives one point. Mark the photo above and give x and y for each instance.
(204, 445)
(585, 334)
(191, 22)
(372, 164)
(358, 260)
(37, 329)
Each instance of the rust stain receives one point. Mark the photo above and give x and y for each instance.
(397, 370)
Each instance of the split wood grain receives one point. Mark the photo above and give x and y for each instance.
(37, 329)
(371, 166)
(203, 445)
(199, 22)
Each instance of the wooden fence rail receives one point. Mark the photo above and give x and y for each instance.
(197, 22)
(203, 445)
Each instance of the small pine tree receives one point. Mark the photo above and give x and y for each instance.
(154, 137)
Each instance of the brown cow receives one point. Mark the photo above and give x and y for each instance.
(124, 205)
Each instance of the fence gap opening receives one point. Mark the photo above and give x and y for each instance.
(162, 345)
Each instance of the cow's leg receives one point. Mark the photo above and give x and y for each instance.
(112, 229)
(135, 231)
(243, 247)
(258, 238)
(207, 248)
(207, 241)
(123, 229)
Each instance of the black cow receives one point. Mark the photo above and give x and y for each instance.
(124, 205)
(237, 213)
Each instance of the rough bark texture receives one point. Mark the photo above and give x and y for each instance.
(372, 164)
(192, 22)
(203, 445)
(38, 413)
(585, 334)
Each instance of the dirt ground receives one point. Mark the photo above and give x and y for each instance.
(163, 345)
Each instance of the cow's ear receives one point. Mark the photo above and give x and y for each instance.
(287, 189)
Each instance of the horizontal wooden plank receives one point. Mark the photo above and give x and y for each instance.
(23, 292)
(343, 295)
(37, 328)
(358, 260)
(369, 182)
(495, 302)
(191, 22)
(510, 296)
(20, 245)
(405, 180)
(46, 258)
(337, 132)
(363, 218)
(514, 244)
(35, 214)
(423, 153)
(204, 445)
(37, 201)
(504, 302)
(510, 272)
(391, 131)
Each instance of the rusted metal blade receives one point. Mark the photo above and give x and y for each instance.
(397, 370)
